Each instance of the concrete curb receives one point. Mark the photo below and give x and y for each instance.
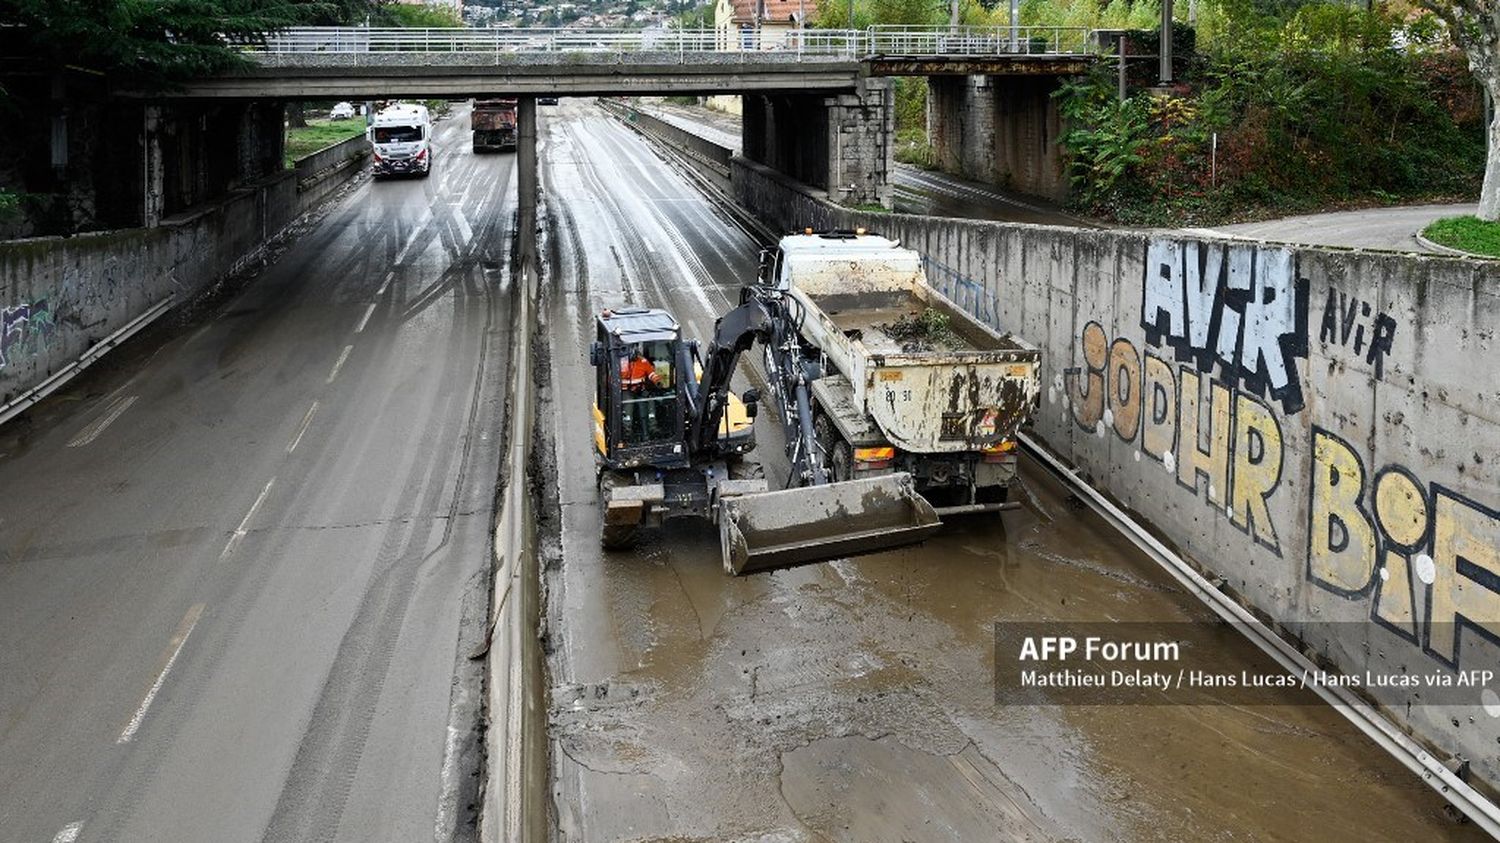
(1440, 249)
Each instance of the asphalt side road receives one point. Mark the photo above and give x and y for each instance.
(853, 700)
(240, 562)
(1372, 228)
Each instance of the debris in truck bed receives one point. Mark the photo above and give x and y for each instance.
(929, 330)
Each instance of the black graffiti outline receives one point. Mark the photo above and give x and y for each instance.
(1293, 345)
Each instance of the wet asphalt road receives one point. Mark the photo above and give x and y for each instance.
(235, 558)
(1370, 228)
(853, 700)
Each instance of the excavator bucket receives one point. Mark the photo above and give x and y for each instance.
(761, 532)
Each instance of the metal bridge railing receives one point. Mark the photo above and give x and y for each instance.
(975, 41)
(824, 43)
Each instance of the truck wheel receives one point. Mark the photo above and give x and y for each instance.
(841, 462)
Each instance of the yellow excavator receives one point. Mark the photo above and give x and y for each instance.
(672, 440)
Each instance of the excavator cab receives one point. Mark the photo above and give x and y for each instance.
(642, 400)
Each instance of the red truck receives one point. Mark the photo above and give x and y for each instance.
(494, 125)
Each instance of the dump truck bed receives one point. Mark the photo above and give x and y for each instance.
(875, 317)
(962, 388)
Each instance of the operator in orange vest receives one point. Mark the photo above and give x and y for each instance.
(636, 372)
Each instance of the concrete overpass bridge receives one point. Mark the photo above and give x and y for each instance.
(818, 104)
(365, 63)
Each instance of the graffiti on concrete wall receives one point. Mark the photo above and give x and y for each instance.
(1240, 309)
(25, 330)
(1427, 557)
(1223, 443)
(1345, 320)
(1214, 390)
(966, 292)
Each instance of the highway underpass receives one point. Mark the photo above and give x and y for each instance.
(240, 596)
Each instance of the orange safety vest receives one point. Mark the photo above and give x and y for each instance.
(635, 373)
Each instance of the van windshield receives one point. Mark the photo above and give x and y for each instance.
(397, 134)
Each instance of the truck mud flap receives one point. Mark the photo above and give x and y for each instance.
(796, 526)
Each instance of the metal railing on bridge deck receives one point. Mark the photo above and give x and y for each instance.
(975, 41)
(849, 44)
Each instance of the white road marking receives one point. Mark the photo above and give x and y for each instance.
(69, 832)
(339, 364)
(384, 284)
(363, 320)
(184, 629)
(410, 240)
(465, 232)
(306, 420)
(90, 433)
(240, 531)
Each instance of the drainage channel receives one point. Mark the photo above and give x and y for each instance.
(1431, 769)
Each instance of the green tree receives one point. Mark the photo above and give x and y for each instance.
(417, 16)
(1475, 28)
(152, 43)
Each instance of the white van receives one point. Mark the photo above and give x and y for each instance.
(401, 136)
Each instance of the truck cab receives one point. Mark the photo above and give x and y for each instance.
(401, 140)
(493, 122)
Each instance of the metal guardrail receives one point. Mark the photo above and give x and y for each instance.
(851, 44)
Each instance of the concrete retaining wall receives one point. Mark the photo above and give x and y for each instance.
(714, 158)
(1317, 429)
(59, 296)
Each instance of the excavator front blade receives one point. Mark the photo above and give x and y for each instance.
(769, 530)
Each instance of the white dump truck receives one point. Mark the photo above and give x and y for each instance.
(902, 378)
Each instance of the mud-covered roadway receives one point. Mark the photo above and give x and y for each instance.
(854, 700)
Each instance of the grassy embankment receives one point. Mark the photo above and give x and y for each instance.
(1466, 234)
(318, 134)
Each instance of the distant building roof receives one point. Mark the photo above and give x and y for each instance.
(781, 11)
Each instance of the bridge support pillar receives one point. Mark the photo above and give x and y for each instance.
(1002, 130)
(153, 169)
(840, 144)
(526, 181)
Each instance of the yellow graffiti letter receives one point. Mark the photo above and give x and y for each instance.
(1340, 537)
(1192, 460)
(1466, 580)
(1088, 399)
(1125, 388)
(1257, 469)
(1159, 403)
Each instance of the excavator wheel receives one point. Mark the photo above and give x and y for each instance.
(619, 536)
(745, 470)
(614, 536)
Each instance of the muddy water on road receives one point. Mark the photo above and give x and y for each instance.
(854, 700)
